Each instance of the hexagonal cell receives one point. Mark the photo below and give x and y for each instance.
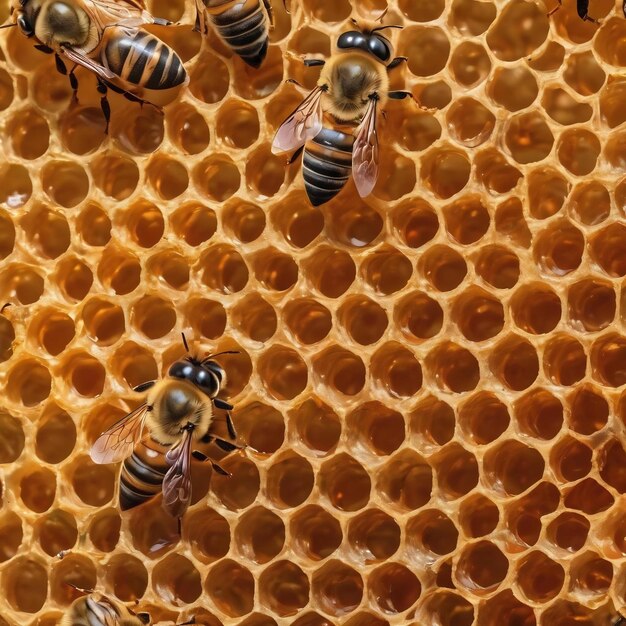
(155, 532)
(376, 428)
(504, 608)
(396, 370)
(588, 410)
(373, 536)
(578, 151)
(564, 360)
(308, 320)
(345, 483)
(11, 535)
(483, 418)
(536, 308)
(364, 320)
(432, 422)
(104, 530)
(608, 248)
(443, 267)
(478, 314)
(340, 371)
(93, 484)
(564, 109)
(591, 304)
(265, 172)
(453, 368)
(232, 273)
(510, 467)
(431, 534)
(83, 374)
(316, 534)
(22, 283)
(240, 489)
(478, 516)
(289, 481)
(316, 426)
(445, 171)
(547, 190)
(55, 438)
(231, 587)
(524, 520)
(448, 608)
(194, 223)
(209, 534)
(418, 316)
(217, 177)
(78, 571)
(209, 80)
(470, 123)
(115, 175)
(176, 580)
(119, 270)
(510, 222)
(415, 222)
(610, 462)
(16, 187)
(498, 266)
(283, 372)
(274, 270)
(539, 589)
(134, 365)
(284, 588)
(336, 588)
(568, 531)
(298, 222)
(386, 271)
(529, 138)
(467, 219)
(262, 427)
(588, 496)
(127, 576)
(169, 178)
(94, 226)
(393, 588)
(188, 129)
(25, 584)
(28, 133)
(330, 271)
(584, 74)
(29, 382)
(11, 438)
(515, 363)
(607, 355)
(457, 471)
(481, 567)
(82, 129)
(470, 64)
(153, 316)
(539, 414)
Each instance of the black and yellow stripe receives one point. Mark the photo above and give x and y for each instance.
(327, 164)
(244, 28)
(142, 59)
(143, 473)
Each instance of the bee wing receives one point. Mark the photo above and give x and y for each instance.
(365, 153)
(116, 443)
(303, 124)
(128, 13)
(177, 481)
(90, 64)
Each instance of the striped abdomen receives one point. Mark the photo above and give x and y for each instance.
(327, 164)
(142, 59)
(142, 473)
(242, 26)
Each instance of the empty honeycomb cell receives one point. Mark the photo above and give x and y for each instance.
(274, 270)
(171, 268)
(432, 422)
(396, 370)
(265, 172)
(510, 467)
(261, 426)
(608, 248)
(283, 372)
(93, 484)
(427, 49)
(478, 516)
(52, 330)
(153, 531)
(104, 321)
(93, 225)
(56, 531)
(208, 534)
(431, 534)
(558, 250)
(611, 465)
(415, 222)
(539, 578)
(336, 588)
(406, 481)
(510, 222)
(141, 133)
(153, 316)
(470, 64)
(515, 363)
(308, 320)
(483, 417)
(290, 481)
(237, 124)
(56, 435)
(260, 535)
(84, 374)
(284, 588)
(443, 267)
(223, 269)
(29, 134)
(145, 223)
(612, 103)
(238, 365)
(568, 531)
(193, 222)
(16, 187)
(472, 17)
(331, 271)
(29, 382)
(504, 608)
(11, 438)
(358, 227)
(134, 364)
(177, 581)
(21, 282)
(457, 471)
(496, 175)
(127, 577)
(481, 567)
(340, 370)
(615, 149)
(547, 190)
(469, 122)
(570, 459)
(396, 176)
(255, 317)
(453, 368)
(11, 535)
(188, 129)
(316, 533)
(373, 536)
(240, 489)
(564, 360)
(433, 95)
(448, 608)
(231, 587)
(168, 178)
(606, 44)
(209, 80)
(564, 109)
(316, 426)
(393, 588)
(467, 220)
(536, 308)
(591, 575)
(364, 320)
(376, 428)
(297, 221)
(588, 410)
(478, 315)
(345, 483)
(578, 151)
(25, 584)
(590, 203)
(529, 138)
(104, 530)
(386, 270)
(253, 84)
(74, 278)
(539, 414)
(584, 74)
(445, 171)
(37, 488)
(588, 496)
(426, 11)
(514, 88)
(82, 129)
(418, 316)
(115, 175)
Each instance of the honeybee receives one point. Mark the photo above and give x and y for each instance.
(177, 411)
(104, 36)
(97, 609)
(242, 25)
(353, 85)
(582, 7)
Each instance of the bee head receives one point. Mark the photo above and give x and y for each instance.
(368, 40)
(207, 375)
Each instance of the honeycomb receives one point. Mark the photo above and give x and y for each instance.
(430, 381)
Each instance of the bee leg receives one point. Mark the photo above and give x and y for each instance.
(286, 9)
(128, 95)
(218, 468)
(74, 84)
(60, 65)
(295, 155)
(556, 8)
(401, 95)
(582, 6)
(397, 61)
(104, 104)
(145, 386)
(270, 12)
(85, 591)
(43, 48)
(314, 62)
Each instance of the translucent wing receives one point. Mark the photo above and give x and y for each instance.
(123, 12)
(177, 481)
(303, 124)
(90, 64)
(365, 152)
(117, 443)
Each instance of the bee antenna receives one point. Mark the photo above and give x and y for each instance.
(212, 356)
(185, 342)
(8, 25)
(375, 30)
(382, 15)
(73, 586)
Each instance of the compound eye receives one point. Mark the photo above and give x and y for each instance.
(25, 26)
(205, 380)
(379, 48)
(217, 369)
(182, 369)
(350, 39)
